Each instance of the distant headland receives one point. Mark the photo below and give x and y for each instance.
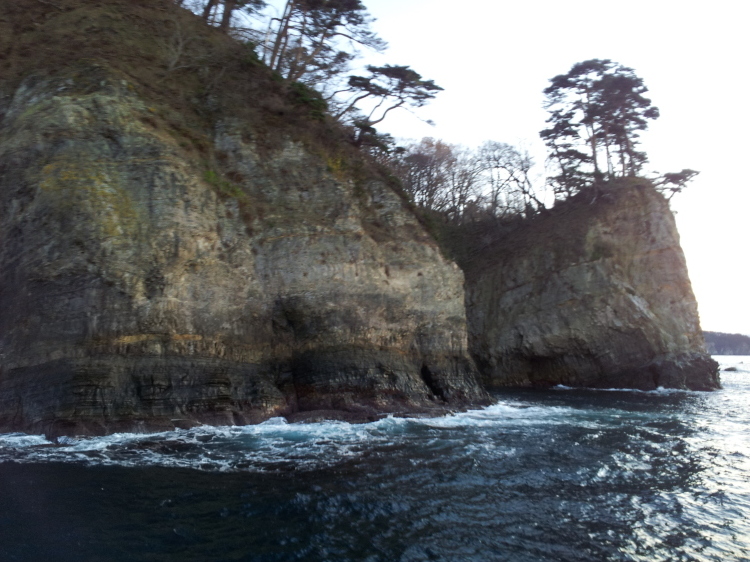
(720, 343)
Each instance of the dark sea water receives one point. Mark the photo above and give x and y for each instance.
(564, 475)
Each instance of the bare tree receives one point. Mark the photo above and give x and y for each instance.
(507, 169)
(176, 46)
(459, 183)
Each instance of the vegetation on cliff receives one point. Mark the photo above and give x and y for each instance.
(600, 105)
(313, 43)
(195, 70)
(470, 198)
(289, 75)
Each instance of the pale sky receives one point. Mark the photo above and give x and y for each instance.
(494, 58)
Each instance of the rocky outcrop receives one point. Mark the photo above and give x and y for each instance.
(593, 293)
(140, 289)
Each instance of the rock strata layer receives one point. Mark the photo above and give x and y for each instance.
(594, 293)
(139, 291)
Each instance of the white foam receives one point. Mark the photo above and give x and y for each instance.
(658, 390)
(274, 443)
(22, 440)
(278, 445)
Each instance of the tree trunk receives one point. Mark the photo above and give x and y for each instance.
(226, 17)
(610, 165)
(281, 35)
(210, 5)
(592, 138)
(629, 149)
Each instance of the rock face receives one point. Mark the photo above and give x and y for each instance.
(179, 245)
(594, 293)
(139, 290)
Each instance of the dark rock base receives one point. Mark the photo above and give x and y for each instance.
(686, 372)
(138, 394)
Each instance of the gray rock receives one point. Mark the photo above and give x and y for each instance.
(139, 292)
(592, 293)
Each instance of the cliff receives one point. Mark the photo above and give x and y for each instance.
(593, 293)
(155, 273)
(185, 239)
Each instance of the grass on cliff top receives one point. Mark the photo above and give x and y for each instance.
(189, 74)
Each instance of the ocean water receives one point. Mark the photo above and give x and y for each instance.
(563, 475)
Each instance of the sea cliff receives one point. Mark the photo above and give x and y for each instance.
(187, 240)
(594, 293)
(135, 293)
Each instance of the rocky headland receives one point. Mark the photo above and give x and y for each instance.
(201, 246)
(132, 291)
(594, 293)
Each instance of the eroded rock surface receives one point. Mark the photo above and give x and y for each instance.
(139, 290)
(594, 293)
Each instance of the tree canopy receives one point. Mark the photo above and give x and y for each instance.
(597, 111)
(304, 43)
(313, 42)
(673, 183)
(228, 9)
(389, 87)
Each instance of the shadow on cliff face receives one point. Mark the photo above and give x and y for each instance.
(429, 380)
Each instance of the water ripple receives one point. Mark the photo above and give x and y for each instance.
(568, 474)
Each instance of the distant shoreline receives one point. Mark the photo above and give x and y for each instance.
(719, 343)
